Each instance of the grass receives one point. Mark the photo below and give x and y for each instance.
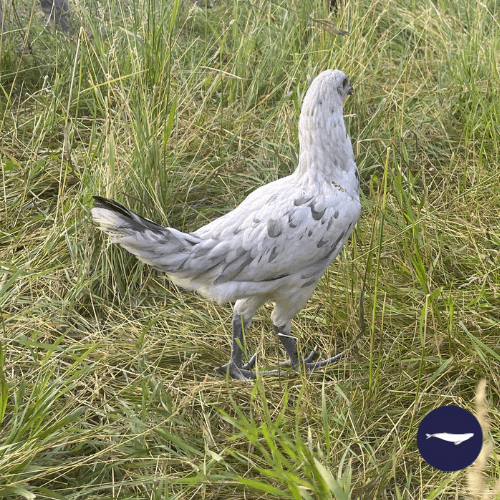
(107, 387)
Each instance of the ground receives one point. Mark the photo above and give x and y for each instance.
(180, 112)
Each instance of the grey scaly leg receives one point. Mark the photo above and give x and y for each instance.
(57, 11)
(241, 371)
(235, 366)
(291, 348)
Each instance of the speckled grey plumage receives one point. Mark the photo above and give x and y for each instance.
(278, 242)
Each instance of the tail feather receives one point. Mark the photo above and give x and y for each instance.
(161, 247)
(109, 212)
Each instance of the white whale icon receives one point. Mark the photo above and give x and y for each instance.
(452, 438)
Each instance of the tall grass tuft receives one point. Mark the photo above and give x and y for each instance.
(475, 476)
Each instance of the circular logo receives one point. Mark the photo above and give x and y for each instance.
(449, 438)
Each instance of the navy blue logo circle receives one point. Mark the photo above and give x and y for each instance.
(449, 438)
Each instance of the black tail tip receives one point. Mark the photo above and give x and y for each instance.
(114, 206)
(99, 201)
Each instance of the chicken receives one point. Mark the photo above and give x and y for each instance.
(276, 244)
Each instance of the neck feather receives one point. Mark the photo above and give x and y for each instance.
(326, 153)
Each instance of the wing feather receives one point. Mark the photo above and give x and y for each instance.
(287, 231)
